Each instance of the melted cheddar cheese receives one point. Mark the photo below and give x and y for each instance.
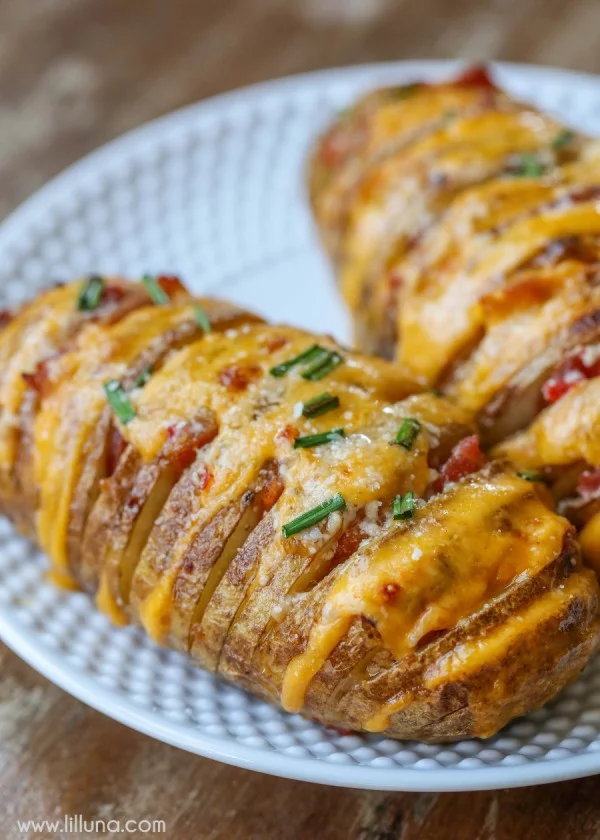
(459, 551)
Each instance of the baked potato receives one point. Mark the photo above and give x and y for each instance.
(295, 516)
(468, 247)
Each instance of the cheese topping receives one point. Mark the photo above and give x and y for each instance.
(563, 433)
(472, 541)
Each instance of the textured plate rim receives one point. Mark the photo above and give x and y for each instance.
(27, 644)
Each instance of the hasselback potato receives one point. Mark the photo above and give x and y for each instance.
(465, 227)
(295, 516)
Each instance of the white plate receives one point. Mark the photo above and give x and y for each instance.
(216, 193)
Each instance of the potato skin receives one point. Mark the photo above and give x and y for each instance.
(175, 518)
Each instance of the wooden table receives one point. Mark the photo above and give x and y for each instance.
(76, 73)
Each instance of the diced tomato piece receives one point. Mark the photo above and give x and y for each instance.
(589, 484)
(171, 285)
(465, 458)
(6, 317)
(476, 76)
(238, 377)
(114, 449)
(574, 370)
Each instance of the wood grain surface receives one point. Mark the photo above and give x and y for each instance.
(76, 73)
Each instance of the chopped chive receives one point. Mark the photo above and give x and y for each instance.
(404, 506)
(563, 138)
(143, 377)
(312, 517)
(326, 362)
(530, 475)
(306, 356)
(529, 166)
(407, 433)
(308, 441)
(157, 295)
(91, 293)
(405, 91)
(437, 393)
(320, 405)
(119, 401)
(202, 318)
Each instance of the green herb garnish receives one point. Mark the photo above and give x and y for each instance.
(157, 294)
(308, 441)
(143, 377)
(407, 433)
(312, 517)
(529, 166)
(307, 356)
(530, 475)
(320, 405)
(563, 138)
(91, 293)
(319, 360)
(322, 365)
(119, 401)
(403, 507)
(405, 91)
(202, 318)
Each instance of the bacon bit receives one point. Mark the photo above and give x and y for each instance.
(287, 434)
(465, 458)
(238, 377)
(476, 76)
(183, 442)
(390, 592)
(171, 285)
(205, 478)
(6, 317)
(112, 294)
(347, 544)
(271, 492)
(114, 449)
(276, 343)
(39, 379)
(589, 484)
(569, 374)
(530, 291)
